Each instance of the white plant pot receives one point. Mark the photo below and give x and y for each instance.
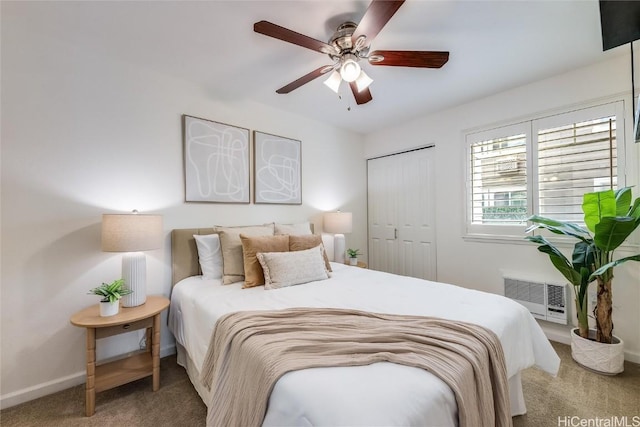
(353, 261)
(109, 308)
(607, 359)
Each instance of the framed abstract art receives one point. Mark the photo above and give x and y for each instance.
(277, 169)
(216, 162)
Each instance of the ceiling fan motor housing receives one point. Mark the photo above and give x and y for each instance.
(343, 43)
(341, 39)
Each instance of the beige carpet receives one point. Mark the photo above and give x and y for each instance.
(176, 403)
(574, 393)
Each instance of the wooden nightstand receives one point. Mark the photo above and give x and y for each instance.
(361, 264)
(121, 371)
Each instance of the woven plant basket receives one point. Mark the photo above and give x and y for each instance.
(607, 359)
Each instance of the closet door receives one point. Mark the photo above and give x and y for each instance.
(401, 214)
(383, 177)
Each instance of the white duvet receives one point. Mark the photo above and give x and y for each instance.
(378, 394)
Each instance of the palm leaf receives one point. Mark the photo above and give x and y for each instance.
(634, 211)
(612, 264)
(611, 232)
(598, 205)
(562, 264)
(558, 227)
(583, 255)
(623, 201)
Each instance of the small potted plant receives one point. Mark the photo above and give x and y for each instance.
(353, 256)
(111, 294)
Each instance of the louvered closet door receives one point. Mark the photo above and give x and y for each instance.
(401, 214)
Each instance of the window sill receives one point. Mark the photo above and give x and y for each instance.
(493, 238)
(520, 240)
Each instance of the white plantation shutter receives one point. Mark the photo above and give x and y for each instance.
(574, 159)
(499, 180)
(542, 166)
(497, 184)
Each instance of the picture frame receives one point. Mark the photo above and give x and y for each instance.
(216, 161)
(277, 169)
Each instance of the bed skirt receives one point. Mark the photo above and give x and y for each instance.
(192, 371)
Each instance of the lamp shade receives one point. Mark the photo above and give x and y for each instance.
(131, 232)
(333, 82)
(338, 222)
(363, 81)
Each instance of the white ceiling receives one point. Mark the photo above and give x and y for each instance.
(494, 45)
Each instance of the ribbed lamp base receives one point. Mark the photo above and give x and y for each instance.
(339, 248)
(134, 273)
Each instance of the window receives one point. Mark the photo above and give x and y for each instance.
(541, 166)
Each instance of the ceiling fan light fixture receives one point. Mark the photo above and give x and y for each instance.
(333, 82)
(350, 69)
(363, 81)
(349, 44)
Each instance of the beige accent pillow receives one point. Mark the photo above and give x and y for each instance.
(302, 228)
(253, 275)
(233, 260)
(299, 243)
(283, 269)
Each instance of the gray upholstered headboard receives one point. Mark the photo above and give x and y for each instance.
(184, 253)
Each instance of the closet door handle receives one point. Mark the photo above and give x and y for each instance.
(395, 233)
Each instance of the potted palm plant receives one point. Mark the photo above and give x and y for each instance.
(111, 294)
(610, 218)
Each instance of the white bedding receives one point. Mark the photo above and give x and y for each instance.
(379, 394)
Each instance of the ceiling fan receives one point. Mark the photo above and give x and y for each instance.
(349, 45)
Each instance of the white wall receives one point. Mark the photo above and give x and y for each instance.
(85, 135)
(480, 265)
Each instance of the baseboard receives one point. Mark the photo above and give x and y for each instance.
(557, 336)
(59, 384)
(40, 390)
(565, 338)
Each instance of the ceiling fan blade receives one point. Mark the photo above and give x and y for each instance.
(290, 36)
(361, 97)
(409, 58)
(376, 17)
(305, 79)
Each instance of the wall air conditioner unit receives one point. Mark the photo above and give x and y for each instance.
(545, 301)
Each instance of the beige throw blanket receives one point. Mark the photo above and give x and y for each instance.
(251, 350)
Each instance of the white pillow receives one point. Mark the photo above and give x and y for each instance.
(209, 255)
(300, 229)
(292, 268)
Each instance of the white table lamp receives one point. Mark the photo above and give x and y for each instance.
(132, 233)
(338, 223)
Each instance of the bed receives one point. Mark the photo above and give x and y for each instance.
(378, 394)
